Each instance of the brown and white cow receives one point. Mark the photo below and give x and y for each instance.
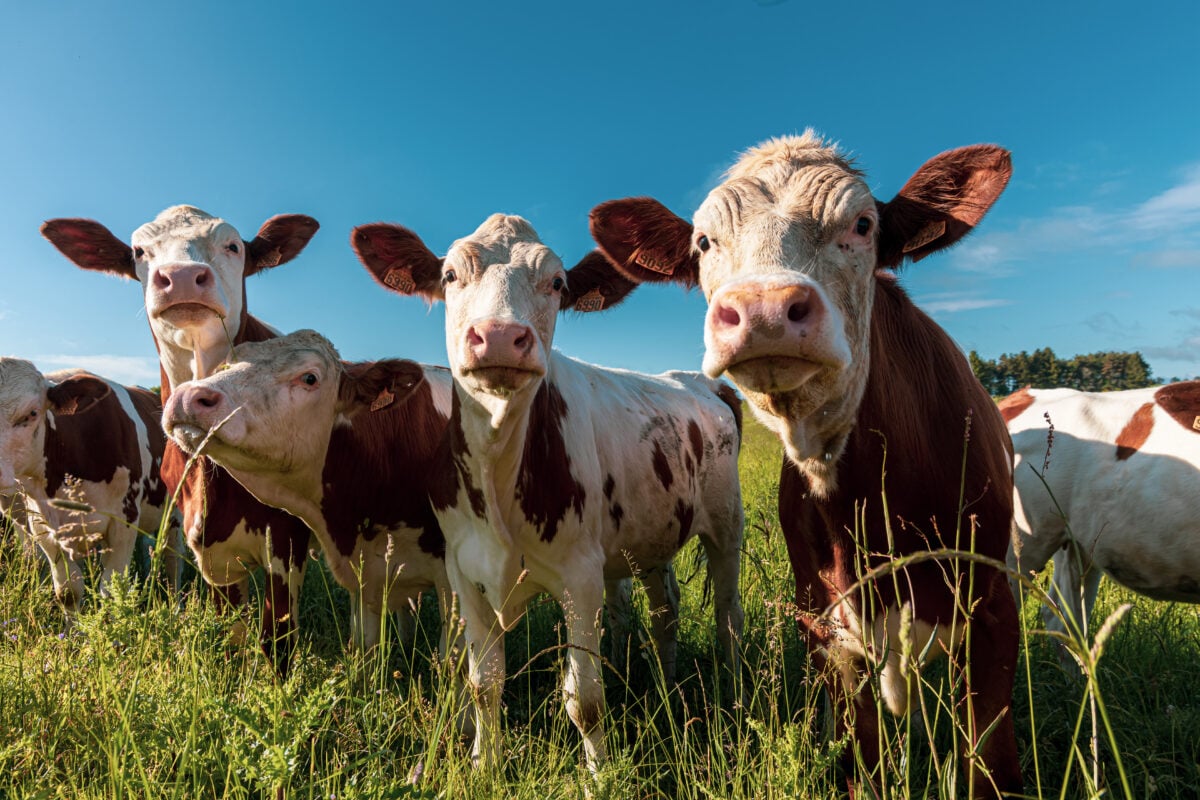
(1113, 493)
(870, 399)
(560, 475)
(345, 447)
(74, 436)
(193, 269)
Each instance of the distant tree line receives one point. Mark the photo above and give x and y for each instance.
(1041, 369)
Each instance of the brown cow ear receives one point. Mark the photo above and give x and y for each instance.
(90, 245)
(594, 284)
(279, 240)
(646, 241)
(942, 202)
(77, 394)
(398, 260)
(377, 385)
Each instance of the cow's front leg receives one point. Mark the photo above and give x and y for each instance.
(280, 625)
(484, 639)
(120, 541)
(583, 687)
(618, 600)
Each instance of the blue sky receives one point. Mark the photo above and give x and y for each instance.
(436, 114)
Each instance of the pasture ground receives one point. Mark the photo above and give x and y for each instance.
(147, 696)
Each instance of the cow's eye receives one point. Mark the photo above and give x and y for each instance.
(138, 252)
(558, 284)
(28, 418)
(233, 248)
(863, 226)
(449, 277)
(309, 379)
(703, 243)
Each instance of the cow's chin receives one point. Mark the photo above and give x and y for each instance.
(189, 437)
(772, 374)
(501, 381)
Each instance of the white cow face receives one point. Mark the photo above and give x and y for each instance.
(503, 290)
(786, 250)
(272, 409)
(23, 408)
(191, 266)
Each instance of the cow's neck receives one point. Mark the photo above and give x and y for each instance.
(494, 431)
(194, 353)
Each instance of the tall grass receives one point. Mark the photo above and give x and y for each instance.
(147, 696)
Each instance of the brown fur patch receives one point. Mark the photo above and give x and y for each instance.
(545, 487)
(662, 466)
(686, 514)
(1015, 404)
(1182, 401)
(1136, 432)
(452, 471)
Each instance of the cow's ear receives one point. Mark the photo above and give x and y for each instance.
(77, 394)
(377, 385)
(942, 202)
(646, 241)
(594, 284)
(279, 240)
(90, 245)
(398, 260)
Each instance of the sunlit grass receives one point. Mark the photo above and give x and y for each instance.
(147, 697)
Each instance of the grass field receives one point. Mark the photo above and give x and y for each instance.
(146, 696)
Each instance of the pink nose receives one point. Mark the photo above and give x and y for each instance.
(196, 402)
(770, 313)
(499, 343)
(182, 278)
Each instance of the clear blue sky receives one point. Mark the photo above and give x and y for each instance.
(436, 114)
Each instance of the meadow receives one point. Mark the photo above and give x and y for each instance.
(149, 695)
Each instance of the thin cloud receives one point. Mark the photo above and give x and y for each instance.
(1169, 222)
(134, 370)
(950, 303)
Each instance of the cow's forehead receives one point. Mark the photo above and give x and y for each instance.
(182, 222)
(800, 178)
(501, 239)
(19, 380)
(285, 352)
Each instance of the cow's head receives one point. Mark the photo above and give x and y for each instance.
(192, 267)
(27, 402)
(271, 410)
(786, 250)
(503, 291)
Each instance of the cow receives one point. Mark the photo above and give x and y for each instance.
(344, 447)
(1105, 482)
(559, 475)
(79, 470)
(193, 268)
(872, 402)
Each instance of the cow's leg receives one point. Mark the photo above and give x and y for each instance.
(365, 622)
(1033, 542)
(405, 616)
(285, 556)
(662, 589)
(169, 541)
(484, 640)
(993, 767)
(622, 620)
(583, 686)
(854, 709)
(724, 568)
(64, 572)
(1068, 591)
(120, 541)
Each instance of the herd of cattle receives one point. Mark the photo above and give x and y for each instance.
(519, 470)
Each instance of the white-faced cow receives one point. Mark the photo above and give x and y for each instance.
(558, 474)
(1119, 491)
(72, 436)
(193, 268)
(870, 399)
(344, 447)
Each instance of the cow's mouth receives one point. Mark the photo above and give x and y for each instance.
(502, 379)
(187, 435)
(772, 374)
(189, 311)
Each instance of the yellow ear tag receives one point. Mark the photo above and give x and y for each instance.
(385, 399)
(591, 301)
(654, 265)
(400, 279)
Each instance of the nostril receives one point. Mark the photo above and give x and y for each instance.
(202, 277)
(162, 280)
(798, 311)
(522, 340)
(208, 399)
(473, 337)
(727, 316)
